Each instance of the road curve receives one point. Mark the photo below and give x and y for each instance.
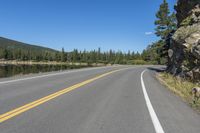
(112, 102)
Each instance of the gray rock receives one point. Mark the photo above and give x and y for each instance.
(185, 42)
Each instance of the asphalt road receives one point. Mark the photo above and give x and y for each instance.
(130, 100)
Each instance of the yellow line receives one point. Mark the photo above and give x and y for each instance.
(40, 101)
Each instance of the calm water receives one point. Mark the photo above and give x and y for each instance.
(12, 70)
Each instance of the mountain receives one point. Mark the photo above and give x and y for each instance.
(15, 50)
(12, 44)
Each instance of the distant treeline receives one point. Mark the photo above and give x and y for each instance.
(94, 56)
(14, 50)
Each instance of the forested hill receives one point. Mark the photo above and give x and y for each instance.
(12, 44)
(15, 50)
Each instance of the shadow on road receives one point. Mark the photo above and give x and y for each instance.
(160, 69)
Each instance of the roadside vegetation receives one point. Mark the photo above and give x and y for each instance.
(181, 87)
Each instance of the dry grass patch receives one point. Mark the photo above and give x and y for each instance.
(180, 87)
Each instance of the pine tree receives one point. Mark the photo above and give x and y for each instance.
(165, 22)
(75, 55)
(84, 57)
(5, 53)
(99, 54)
(63, 59)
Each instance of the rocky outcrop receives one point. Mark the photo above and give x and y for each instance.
(184, 9)
(184, 44)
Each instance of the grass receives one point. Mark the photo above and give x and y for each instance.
(180, 87)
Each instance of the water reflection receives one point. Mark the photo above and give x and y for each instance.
(11, 70)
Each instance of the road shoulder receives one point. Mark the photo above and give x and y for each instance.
(173, 113)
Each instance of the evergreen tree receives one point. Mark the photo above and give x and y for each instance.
(5, 53)
(99, 55)
(84, 57)
(57, 56)
(165, 22)
(75, 55)
(63, 59)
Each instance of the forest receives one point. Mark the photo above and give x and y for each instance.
(14, 50)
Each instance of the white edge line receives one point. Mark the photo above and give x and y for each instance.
(48, 75)
(157, 126)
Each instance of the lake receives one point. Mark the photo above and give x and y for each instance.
(12, 70)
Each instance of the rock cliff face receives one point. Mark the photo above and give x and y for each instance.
(184, 44)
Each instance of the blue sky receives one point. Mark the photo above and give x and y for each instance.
(82, 24)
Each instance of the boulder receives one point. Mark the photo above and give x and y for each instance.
(184, 44)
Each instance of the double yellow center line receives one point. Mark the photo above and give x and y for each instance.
(40, 101)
